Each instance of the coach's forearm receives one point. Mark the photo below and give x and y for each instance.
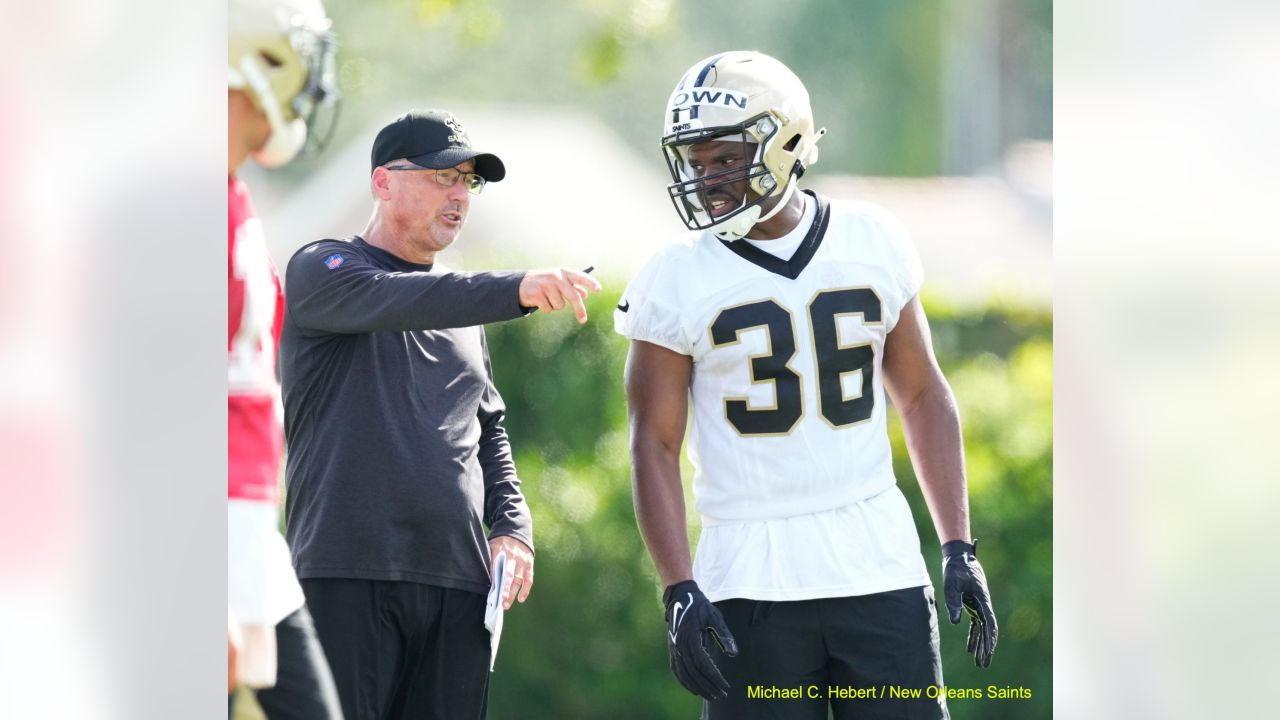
(932, 427)
(660, 512)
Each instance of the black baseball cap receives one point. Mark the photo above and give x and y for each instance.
(432, 139)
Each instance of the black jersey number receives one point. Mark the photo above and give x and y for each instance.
(833, 360)
(770, 367)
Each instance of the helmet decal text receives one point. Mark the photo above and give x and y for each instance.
(682, 99)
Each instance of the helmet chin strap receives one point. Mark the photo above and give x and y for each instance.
(286, 138)
(737, 227)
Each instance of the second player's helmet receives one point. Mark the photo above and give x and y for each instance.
(281, 52)
(747, 97)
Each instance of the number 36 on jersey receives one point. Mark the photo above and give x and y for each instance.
(835, 365)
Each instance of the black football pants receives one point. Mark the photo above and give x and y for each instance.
(819, 649)
(402, 650)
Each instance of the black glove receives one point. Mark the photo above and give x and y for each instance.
(964, 584)
(690, 618)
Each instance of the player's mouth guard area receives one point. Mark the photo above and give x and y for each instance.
(691, 195)
(693, 199)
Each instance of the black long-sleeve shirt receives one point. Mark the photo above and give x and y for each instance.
(396, 450)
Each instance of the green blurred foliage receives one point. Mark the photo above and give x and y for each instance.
(874, 68)
(590, 641)
(999, 361)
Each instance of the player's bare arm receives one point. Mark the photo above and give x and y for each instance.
(657, 383)
(930, 421)
(931, 424)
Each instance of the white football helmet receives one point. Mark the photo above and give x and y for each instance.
(281, 52)
(747, 97)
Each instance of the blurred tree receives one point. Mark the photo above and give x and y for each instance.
(877, 70)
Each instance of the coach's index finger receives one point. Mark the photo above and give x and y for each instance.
(580, 283)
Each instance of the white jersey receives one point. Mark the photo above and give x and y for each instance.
(793, 471)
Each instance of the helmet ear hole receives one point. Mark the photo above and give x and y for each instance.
(791, 144)
(271, 60)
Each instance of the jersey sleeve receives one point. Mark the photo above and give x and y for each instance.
(332, 287)
(650, 306)
(907, 268)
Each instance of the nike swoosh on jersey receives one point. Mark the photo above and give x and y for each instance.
(624, 306)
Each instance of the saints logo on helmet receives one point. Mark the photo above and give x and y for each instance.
(757, 110)
(282, 53)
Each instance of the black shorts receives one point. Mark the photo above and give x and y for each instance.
(403, 649)
(861, 657)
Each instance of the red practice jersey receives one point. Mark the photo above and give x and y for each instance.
(256, 313)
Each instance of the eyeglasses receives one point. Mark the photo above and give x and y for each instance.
(447, 177)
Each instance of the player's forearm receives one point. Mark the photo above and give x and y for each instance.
(660, 512)
(932, 429)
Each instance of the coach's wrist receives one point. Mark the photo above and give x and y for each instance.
(525, 310)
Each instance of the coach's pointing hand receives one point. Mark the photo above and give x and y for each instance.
(691, 618)
(549, 290)
(965, 585)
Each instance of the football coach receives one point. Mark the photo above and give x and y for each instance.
(397, 456)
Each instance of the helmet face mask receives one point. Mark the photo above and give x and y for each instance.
(746, 97)
(718, 165)
(282, 53)
(318, 102)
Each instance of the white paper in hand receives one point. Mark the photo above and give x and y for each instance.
(493, 607)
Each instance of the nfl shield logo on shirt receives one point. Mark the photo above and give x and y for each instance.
(333, 261)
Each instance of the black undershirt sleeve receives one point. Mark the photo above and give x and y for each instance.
(351, 295)
(505, 510)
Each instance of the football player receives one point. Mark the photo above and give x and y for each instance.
(783, 319)
(280, 80)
